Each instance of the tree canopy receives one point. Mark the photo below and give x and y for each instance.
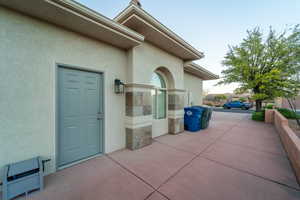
(242, 99)
(220, 97)
(265, 65)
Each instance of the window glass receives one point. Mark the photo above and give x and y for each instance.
(159, 96)
(158, 81)
(161, 104)
(153, 94)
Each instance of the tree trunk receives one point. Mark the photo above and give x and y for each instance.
(258, 105)
(293, 107)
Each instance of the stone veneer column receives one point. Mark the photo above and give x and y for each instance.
(138, 116)
(176, 110)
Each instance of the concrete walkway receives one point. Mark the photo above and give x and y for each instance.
(235, 158)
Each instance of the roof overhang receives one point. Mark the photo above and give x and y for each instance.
(200, 72)
(78, 18)
(156, 33)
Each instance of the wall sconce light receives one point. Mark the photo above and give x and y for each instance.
(119, 86)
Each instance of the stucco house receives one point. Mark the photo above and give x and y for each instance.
(61, 71)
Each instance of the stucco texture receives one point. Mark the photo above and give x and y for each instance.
(194, 86)
(143, 60)
(29, 52)
(146, 58)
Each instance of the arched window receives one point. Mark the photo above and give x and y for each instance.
(157, 80)
(159, 96)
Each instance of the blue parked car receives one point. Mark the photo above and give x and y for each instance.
(237, 104)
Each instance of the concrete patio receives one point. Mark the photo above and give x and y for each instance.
(235, 158)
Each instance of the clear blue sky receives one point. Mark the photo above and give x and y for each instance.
(211, 25)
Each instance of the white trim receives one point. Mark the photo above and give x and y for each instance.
(138, 121)
(124, 12)
(177, 92)
(136, 89)
(175, 113)
(198, 71)
(75, 6)
(165, 79)
(156, 25)
(127, 37)
(139, 125)
(179, 42)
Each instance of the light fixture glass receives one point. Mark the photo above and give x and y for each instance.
(119, 86)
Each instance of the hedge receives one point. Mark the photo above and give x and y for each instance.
(258, 116)
(288, 113)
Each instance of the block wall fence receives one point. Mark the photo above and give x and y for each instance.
(290, 140)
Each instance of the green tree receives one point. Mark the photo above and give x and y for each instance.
(220, 97)
(242, 99)
(265, 65)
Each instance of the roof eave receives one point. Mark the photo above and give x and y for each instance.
(97, 16)
(79, 14)
(135, 10)
(200, 72)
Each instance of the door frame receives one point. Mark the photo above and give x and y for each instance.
(56, 100)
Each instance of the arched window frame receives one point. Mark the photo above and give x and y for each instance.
(159, 96)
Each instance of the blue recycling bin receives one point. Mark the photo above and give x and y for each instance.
(192, 118)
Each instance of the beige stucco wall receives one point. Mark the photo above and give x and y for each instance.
(146, 58)
(29, 50)
(194, 86)
(143, 61)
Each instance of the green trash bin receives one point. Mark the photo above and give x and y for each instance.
(206, 116)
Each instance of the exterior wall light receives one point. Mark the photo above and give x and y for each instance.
(119, 86)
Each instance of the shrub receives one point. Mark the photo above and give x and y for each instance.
(288, 113)
(269, 106)
(242, 99)
(258, 116)
(209, 104)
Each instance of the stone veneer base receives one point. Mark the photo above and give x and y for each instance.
(138, 137)
(176, 125)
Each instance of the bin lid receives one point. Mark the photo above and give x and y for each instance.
(194, 108)
(190, 111)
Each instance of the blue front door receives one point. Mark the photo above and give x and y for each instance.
(80, 115)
